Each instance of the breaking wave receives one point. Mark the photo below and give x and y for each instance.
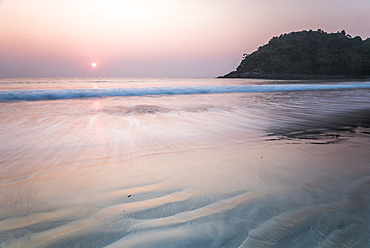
(37, 95)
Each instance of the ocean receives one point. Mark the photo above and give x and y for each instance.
(187, 162)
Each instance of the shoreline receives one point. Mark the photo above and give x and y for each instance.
(235, 74)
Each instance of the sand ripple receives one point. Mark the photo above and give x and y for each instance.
(184, 171)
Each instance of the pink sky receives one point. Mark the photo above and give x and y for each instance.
(163, 38)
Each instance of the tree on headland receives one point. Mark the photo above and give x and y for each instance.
(308, 54)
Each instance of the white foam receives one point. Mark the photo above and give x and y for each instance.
(36, 95)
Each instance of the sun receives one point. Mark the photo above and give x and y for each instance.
(93, 65)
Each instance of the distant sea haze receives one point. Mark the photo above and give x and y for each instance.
(186, 162)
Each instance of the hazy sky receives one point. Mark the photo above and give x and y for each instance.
(173, 38)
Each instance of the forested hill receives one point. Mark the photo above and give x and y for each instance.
(306, 55)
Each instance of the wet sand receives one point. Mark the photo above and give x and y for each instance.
(179, 171)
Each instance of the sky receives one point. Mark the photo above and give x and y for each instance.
(156, 38)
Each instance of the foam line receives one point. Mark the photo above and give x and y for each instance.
(38, 95)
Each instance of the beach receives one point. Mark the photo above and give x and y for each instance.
(230, 163)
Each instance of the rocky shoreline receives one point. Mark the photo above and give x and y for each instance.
(235, 74)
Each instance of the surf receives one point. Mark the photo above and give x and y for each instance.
(45, 95)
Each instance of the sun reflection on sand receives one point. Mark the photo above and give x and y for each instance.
(96, 105)
(186, 169)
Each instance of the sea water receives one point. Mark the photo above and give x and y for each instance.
(156, 162)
